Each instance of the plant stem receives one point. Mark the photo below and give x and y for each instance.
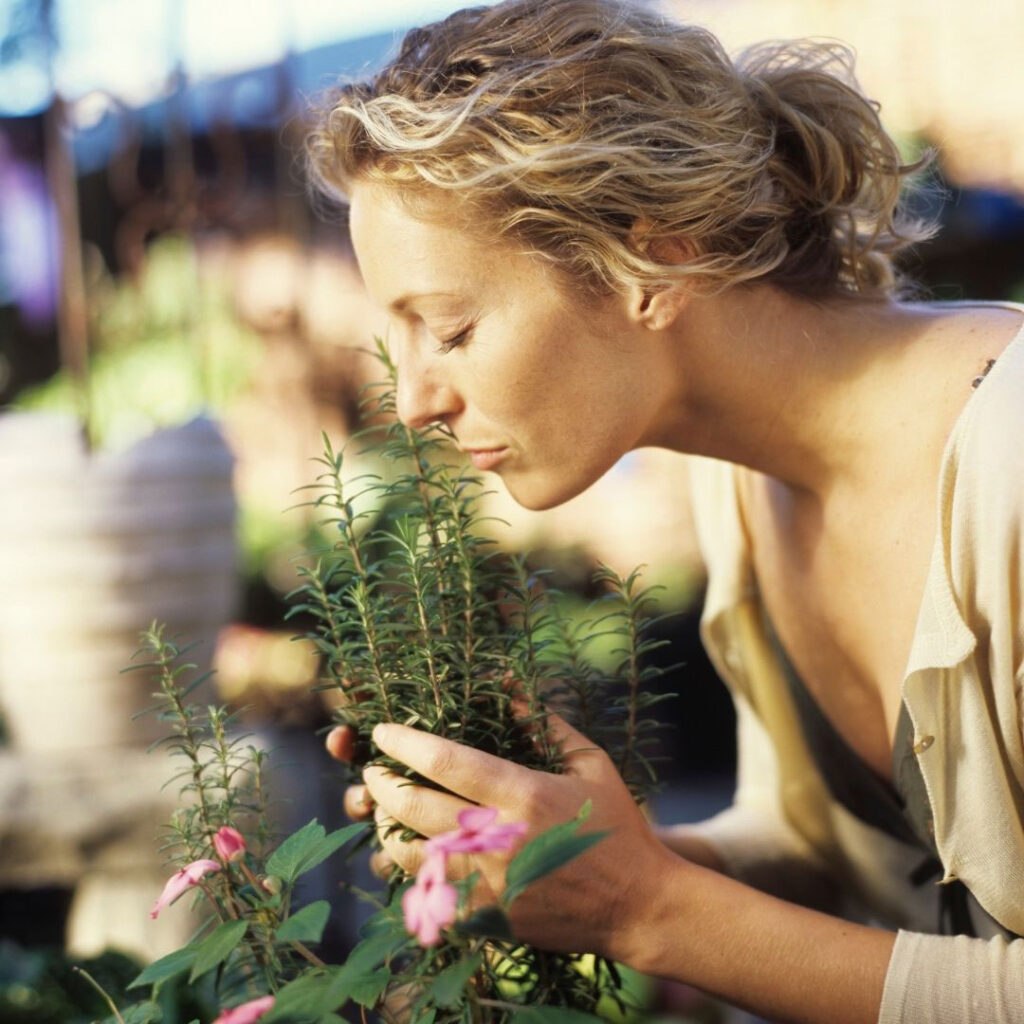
(426, 638)
(416, 450)
(307, 954)
(99, 988)
(633, 680)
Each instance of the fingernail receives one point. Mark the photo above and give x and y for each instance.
(381, 733)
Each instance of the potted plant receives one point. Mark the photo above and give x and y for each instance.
(127, 517)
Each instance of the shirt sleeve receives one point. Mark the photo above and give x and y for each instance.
(953, 980)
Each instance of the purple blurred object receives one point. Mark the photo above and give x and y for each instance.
(29, 238)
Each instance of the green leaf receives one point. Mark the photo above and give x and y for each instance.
(306, 998)
(141, 1013)
(166, 967)
(305, 925)
(387, 919)
(331, 843)
(491, 922)
(287, 859)
(553, 1015)
(304, 850)
(548, 852)
(450, 985)
(366, 989)
(375, 949)
(362, 977)
(218, 946)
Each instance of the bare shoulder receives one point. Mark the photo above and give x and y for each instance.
(993, 421)
(982, 329)
(969, 368)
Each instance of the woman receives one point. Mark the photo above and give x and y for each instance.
(594, 232)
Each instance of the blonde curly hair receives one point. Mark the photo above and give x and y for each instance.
(588, 130)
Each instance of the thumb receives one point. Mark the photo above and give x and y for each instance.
(341, 743)
(583, 757)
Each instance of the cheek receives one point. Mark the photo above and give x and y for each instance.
(523, 386)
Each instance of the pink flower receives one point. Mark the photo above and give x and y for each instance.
(247, 1012)
(229, 844)
(430, 903)
(477, 833)
(182, 880)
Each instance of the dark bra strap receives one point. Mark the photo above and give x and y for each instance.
(853, 782)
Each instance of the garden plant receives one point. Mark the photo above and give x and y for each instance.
(420, 619)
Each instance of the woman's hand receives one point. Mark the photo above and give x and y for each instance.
(595, 903)
(357, 802)
(341, 745)
(629, 897)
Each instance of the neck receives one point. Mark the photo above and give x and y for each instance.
(807, 393)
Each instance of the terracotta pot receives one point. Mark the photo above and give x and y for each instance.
(93, 548)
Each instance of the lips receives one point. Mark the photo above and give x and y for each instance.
(485, 458)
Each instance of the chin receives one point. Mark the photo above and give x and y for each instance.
(540, 495)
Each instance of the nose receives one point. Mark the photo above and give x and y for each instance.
(423, 397)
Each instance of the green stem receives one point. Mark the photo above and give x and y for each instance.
(425, 634)
(216, 903)
(416, 449)
(458, 518)
(499, 1004)
(633, 681)
(307, 953)
(352, 544)
(99, 988)
(373, 647)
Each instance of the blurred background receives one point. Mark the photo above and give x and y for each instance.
(178, 325)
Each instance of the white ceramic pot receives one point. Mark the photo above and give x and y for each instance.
(93, 548)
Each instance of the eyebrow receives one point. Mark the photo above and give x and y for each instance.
(400, 304)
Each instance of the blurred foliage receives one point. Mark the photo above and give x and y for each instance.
(166, 347)
(41, 986)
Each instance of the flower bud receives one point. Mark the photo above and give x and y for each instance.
(272, 884)
(185, 878)
(229, 844)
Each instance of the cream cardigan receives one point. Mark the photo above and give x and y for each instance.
(963, 689)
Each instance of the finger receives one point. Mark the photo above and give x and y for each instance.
(408, 854)
(381, 863)
(358, 803)
(341, 743)
(583, 757)
(473, 774)
(424, 810)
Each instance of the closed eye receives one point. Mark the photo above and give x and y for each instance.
(455, 341)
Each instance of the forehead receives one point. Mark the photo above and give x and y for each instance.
(405, 247)
(438, 245)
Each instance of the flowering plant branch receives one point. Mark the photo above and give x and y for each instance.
(256, 945)
(419, 620)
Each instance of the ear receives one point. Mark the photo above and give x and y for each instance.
(657, 308)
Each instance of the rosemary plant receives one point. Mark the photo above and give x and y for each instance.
(422, 620)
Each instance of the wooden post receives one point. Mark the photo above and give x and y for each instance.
(72, 309)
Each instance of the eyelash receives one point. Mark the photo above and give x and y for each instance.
(459, 339)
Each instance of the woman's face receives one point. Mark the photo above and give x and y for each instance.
(545, 388)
